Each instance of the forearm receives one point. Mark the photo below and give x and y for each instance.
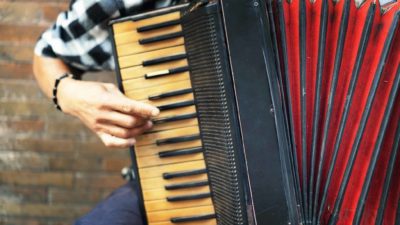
(46, 71)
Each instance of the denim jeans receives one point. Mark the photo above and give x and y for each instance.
(120, 208)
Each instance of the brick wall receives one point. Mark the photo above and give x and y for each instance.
(52, 169)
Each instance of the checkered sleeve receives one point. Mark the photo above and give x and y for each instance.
(80, 36)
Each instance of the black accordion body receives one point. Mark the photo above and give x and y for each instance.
(272, 112)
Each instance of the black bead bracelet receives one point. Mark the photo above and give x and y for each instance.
(56, 83)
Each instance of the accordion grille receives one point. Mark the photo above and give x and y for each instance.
(207, 77)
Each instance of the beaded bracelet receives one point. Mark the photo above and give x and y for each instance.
(56, 83)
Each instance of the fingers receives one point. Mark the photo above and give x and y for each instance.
(115, 142)
(106, 111)
(126, 105)
(120, 119)
(122, 132)
(129, 106)
(120, 137)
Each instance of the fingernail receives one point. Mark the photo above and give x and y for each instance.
(149, 124)
(155, 112)
(132, 142)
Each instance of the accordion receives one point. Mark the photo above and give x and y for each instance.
(272, 111)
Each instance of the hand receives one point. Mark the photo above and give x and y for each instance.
(116, 119)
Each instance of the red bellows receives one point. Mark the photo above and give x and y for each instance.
(340, 68)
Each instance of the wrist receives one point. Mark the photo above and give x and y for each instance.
(60, 93)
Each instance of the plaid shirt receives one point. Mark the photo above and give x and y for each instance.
(80, 35)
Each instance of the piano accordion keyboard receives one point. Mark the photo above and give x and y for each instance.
(154, 69)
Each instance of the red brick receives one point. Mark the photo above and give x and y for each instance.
(38, 145)
(74, 164)
(96, 148)
(63, 222)
(17, 220)
(116, 164)
(51, 11)
(98, 181)
(25, 125)
(51, 166)
(62, 196)
(9, 220)
(17, 12)
(50, 145)
(26, 108)
(16, 70)
(40, 210)
(30, 12)
(16, 53)
(20, 90)
(19, 161)
(70, 127)
(23, 194)
(45, 1)
(36, 178)
(27, 34)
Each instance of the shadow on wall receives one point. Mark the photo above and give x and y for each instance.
(52, 169)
